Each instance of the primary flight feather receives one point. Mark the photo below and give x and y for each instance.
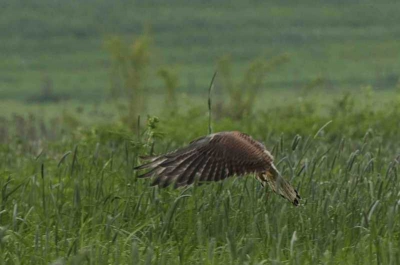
(215, 157)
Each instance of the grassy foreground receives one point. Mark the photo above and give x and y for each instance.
(76, 200)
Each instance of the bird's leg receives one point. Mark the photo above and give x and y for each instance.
(264, 183)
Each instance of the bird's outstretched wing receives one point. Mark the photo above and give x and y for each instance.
(210, 158)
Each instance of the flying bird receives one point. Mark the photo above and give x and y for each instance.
(215, 157)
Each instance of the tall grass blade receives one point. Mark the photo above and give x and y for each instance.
(209, 103)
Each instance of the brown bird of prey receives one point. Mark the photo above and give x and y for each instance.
(215, 157)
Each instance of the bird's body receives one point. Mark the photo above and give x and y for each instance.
(215, 157)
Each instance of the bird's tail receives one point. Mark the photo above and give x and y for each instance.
(281, 186)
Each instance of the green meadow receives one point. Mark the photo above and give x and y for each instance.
(88, 87)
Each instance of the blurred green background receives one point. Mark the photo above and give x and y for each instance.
(349, 44)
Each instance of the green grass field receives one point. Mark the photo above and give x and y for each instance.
(76, 199)
(350, 44)
(329, 115)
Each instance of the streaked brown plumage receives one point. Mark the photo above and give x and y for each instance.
(215, 157)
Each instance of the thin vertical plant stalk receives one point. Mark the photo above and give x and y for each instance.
(209, 103)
